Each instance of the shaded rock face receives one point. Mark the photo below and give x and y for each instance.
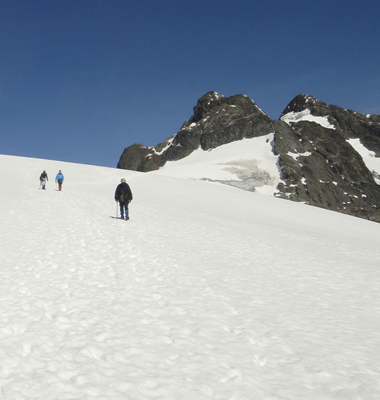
(349, 124)
(316, 163)
(319, 166)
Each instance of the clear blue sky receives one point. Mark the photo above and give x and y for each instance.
(80, 80)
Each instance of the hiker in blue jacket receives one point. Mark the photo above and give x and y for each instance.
(59, 178)
(123, 195)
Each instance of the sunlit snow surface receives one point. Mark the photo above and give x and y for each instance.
(208, 292)
(249, 164)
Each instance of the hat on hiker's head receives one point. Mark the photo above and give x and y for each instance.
(59, 171)
(123, 180)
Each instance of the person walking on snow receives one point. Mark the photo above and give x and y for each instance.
(123, 195)
(43, 179)
(59, 178)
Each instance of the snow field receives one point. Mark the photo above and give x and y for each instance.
(239, 162)
(208, 292)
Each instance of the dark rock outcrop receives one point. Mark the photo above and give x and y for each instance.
(348, 123)
(316, 162)
(326, 170)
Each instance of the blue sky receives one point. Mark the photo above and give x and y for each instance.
(80, 80)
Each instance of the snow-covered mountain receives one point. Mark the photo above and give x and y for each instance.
(326, 156)
(208, 292)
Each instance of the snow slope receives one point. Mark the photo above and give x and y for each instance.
(208, 292)
(306, 115)
(369, 157)
(248, 164)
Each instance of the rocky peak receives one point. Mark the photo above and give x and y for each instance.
(349, 124)
(304, 102)
(205, 104)
(212, 103)
(217, 120)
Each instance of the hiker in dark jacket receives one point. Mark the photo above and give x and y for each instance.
(123, 195)
(43, 179)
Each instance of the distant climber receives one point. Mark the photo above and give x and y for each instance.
(123, 195)
(59, 178)
(43, 179)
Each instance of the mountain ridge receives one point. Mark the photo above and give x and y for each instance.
(316, 144)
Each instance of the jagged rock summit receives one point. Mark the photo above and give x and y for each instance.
(326, 156)
(321, 157)
(217, 120)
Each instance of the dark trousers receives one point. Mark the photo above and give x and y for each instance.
(123, 207)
